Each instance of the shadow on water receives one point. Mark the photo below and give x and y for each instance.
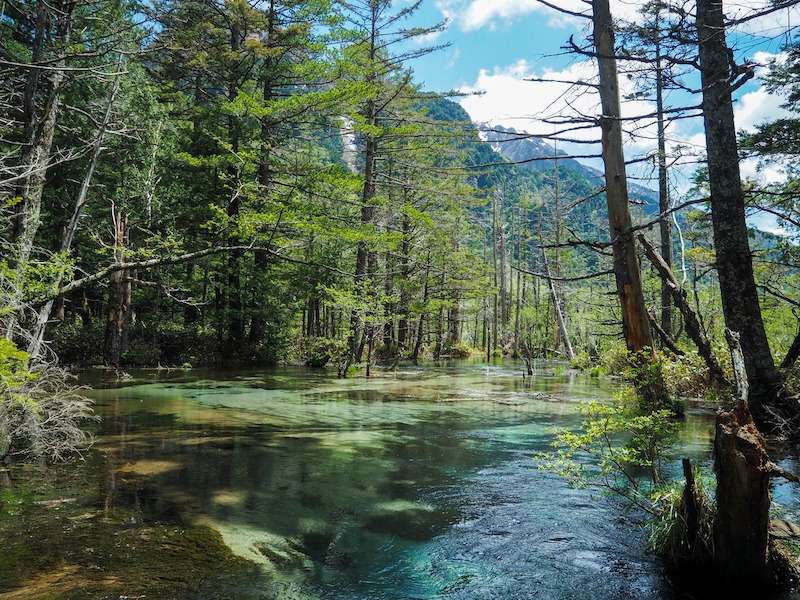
(417, 483)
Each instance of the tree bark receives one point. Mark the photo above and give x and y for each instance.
(693, 327)
(665, 222)
(560, 321)
(36, 156)
(741, 524)
(626, 263)
(119, 298)
(740, 303)
(43, 316)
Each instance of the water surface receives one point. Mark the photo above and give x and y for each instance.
(415, 484)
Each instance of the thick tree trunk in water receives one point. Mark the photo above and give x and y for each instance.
(742, 519)
(740, 303)
(626, 263)
(741, 524)
(635, 322)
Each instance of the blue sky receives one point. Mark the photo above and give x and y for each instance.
(496, 44)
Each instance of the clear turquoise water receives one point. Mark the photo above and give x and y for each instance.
(414, 484)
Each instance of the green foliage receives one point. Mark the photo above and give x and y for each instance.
(667, 532)
(319, 351)
(622, 440)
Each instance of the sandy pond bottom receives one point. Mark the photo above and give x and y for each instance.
(415, 484)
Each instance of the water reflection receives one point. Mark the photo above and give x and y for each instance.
(417, 483)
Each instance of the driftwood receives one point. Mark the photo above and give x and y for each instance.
(692, 323)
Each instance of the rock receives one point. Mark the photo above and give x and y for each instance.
(54, 503)
(778, 528)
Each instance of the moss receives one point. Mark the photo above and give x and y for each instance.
(159, 561)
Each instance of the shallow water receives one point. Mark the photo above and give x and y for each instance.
(416, 483)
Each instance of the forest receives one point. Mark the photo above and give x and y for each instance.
(284, 315)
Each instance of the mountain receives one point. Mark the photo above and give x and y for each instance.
(524, 148)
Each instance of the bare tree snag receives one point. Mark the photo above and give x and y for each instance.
(626, 263)
(560, 321)
(665, 220)
(43, 317)
(743, 470)
(635, 322)
(119, 297)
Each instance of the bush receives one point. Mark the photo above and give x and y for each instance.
(614, 358)
(319, 351)
(461, 350)
(667, 529)
(582, 362)
(41, 410)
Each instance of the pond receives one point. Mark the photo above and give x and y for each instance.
(417, 483)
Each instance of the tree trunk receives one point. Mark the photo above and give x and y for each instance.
(740, 303)
(405, 296)
(235, 318)
(42, 318)
(626, 263)
(420, 324)
(501, 252)
(562, 325)
(36, 156)
(665, 222)
(258, 321)
(119, 298)
(741, 524)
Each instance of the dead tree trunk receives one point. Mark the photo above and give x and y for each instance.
(665, 222)
(740, 303)
(560, 321)
(405, 295)
(119, 297)
(626, 263)
(693, 328)
(42, 318)
(741, 525)
(37, 152)
(635, 324)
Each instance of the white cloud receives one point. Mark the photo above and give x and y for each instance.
(505, 96)
(475, 14)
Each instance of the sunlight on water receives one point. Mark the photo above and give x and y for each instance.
(417, 483)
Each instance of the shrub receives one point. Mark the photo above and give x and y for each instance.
(319, 351)
(41, 410)
(461, 350)
(667, 529)
(582, 362)
(614, 358)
